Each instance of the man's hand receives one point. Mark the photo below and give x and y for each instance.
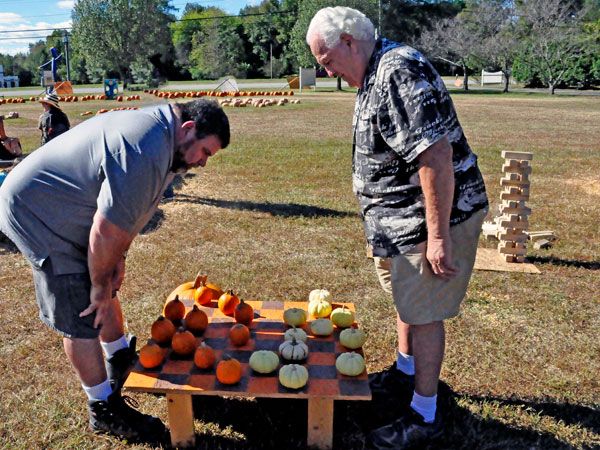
(99, 302)
(439, 255)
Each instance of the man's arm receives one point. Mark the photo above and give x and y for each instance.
(436, 173)
(107, 245)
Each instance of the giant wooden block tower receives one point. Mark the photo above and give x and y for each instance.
(513, 221)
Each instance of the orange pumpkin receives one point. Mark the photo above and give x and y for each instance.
(239, 334)
(162, 330)
(183, 343)
(204, 358)
(216, 290)
(227, 302)
(186, 291)
(229, 370)
(174, 310)
(243, 313)
(196, 320)
(151, 355)
(203, 294)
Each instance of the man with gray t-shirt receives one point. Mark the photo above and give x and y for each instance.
(74, 206)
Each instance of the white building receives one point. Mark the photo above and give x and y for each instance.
(7, 82)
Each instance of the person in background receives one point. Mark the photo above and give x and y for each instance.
(10, 148)
(73, 208)
(53, 121)
(422, 200)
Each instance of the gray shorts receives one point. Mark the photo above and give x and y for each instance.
(61, 298)
(420, 296)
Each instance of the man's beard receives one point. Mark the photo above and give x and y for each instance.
(179, 164)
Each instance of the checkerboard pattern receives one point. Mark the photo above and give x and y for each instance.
(178, 374)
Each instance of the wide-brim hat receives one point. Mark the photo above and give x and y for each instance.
(51, 99)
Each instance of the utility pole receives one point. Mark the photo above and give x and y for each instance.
(271, 54)
(65, 40)
(379, 21)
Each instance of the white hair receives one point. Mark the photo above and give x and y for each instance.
(331, 22)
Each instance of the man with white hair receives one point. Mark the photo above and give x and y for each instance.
(422, 200)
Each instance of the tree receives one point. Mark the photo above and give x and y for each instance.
(452, 41)
(551, 39)
(405, 20)
(307, 10)
(113, 34)
(493, 25)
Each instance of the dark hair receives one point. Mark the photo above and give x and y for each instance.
(209, 117)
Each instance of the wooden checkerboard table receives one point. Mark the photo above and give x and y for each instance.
(179, 378)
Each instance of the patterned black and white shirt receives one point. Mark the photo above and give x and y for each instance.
(401, 110)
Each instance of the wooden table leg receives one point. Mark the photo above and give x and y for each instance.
(320, 423)
(181, 420)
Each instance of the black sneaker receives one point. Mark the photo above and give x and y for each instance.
(391, 381)
(116, 417)
(406, 432)
(119, 365)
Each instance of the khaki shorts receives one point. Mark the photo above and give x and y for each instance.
(420, 296)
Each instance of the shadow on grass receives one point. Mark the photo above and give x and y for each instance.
(230, 423)
(274, 209)
(590, 265)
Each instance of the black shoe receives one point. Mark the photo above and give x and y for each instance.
(406, 432)
(119, 365)
(116, 417)
(391, 381)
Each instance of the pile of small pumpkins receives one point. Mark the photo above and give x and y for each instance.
(294, 348)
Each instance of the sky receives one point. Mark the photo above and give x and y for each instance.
(26, 21)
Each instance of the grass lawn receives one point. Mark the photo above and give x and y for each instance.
(273, 217)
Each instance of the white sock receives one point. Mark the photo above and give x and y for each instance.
(110, 348)
(425, 406)
(99, 392)
(406, 363)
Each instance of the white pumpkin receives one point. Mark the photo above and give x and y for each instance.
(342, 317)
(294, 317)
(350, 363)
(293, 376)
(264, 361)
(320, 294)
(319, 308)
(293, 350)
(352, 338)
(298, 333)
(321, 327)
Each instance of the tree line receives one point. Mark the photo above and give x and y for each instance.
(550, 43)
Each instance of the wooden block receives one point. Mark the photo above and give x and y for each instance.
(514, 182)
(519, 259)
(542, 243)
(509, 204)
(508, 258)
(489, 229)
(537, 235)
(514, 190)
(517, 197)
(524, 164)
(515, 237)
(520, 211)
(521, 225)
(513, 251)
(516, 169)
(522, 156)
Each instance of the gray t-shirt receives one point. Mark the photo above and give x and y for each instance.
(117, 163)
